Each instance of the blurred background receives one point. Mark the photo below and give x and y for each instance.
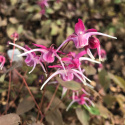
(53, 27)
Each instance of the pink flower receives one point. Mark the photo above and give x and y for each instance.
(74, 61)
(81, 37)
(81, 100)
(95, 44)
(2, 61)
(31, 58)
(47, 54)
(67, 75)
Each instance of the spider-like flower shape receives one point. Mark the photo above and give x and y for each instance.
(67, 75)
(47, 54)
(82, 38)
(74, 61)
(31, 58)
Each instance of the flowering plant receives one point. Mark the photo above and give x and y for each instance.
(69, 64)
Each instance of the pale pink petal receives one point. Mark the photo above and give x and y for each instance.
(70, 105)
(88, 59)
(89, 101)
(54, 74)
(99, 53)
(79, 78)
(49, 57)
(67, 76)
(64, 90)
(98, 33)
(33, 67)
(33, 50)
(42, 66)
(67, 40)
(85, 92)
(20, 47)
(90, 54)
(59, 58)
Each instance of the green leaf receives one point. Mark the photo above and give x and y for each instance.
(20, 29)
(11, 29)
(93, 110)
(56, 101)
(109, 100)
(36, 17)
(54, 30)
(104, 112)
(69, 31)
(60, 38)
(54, 117)
(24, 106)
(2, 78)
(49, 11)
(72, 85)
(90, 70)
(120, 99)
(13, 2)
(104, 79)
(45, 28)
(118, 80)
(83, 116)
(117, 1)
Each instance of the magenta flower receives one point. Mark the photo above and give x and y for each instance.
(2, 61)
(47, 54)
(93, 43)
(31, 58)
(74, 61)
(81, 100)
(67, 75)
(81, 37)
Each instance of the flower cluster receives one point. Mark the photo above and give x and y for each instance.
(68, 65)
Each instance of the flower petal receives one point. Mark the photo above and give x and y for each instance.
(81, 54)
(79, 27)
(41, 46)
(54, 74)
(49, 57)
(90, 30)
